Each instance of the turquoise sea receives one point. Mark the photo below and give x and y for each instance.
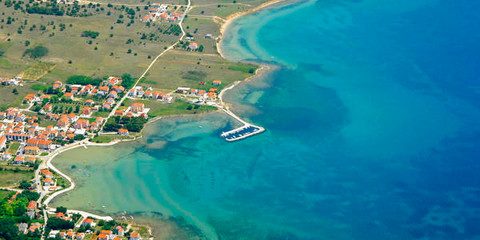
(372, 119)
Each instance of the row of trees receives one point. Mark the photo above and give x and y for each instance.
(84, 80)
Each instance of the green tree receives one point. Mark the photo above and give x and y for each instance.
(37, 52)
(61, 209)
(8, 229)
(25, 184)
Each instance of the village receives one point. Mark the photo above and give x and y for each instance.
(72, 112)
(77, 227)
(65, 114)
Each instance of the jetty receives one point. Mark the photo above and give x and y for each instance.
(246, 130)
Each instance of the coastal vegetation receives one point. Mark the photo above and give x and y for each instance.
(134, 124)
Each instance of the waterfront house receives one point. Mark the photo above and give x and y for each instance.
(119, 231)
(108, 233)
(88, 222)
(122, 132)
(47, 173)
(216, 82)
(134, 236)
(137, 107)
(48, 182)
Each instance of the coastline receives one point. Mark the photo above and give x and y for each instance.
(263, 70)
(232, 17)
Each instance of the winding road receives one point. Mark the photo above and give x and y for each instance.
(47, 163)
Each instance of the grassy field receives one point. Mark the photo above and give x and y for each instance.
(198, 27)
(106, 54)
(121, 45)
(11, 178)
(177, 107)
(219, 9)
(37, 71)
(12, 149)
(179, 68)
(8, 98)
(108, 138)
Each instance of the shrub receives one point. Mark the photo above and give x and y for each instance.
(36, 52)
(90, 34)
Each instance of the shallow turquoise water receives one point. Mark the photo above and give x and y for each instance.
(372, 131)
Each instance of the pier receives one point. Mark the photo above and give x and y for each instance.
(242, 132)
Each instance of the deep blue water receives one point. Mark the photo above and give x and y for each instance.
(372, 129)
(373, 119)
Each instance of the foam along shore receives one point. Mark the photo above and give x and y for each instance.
(232, 17)
(247, 129)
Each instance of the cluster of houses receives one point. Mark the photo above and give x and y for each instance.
(148, 93)
(48, 181)
(159, 12)
(31, 207)
(201, 95)
(16, 81)
(72, 125)
(17, 127)
(34, 227)
(134, 110)
(117, 233)
(32, 212)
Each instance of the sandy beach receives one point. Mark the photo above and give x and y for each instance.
(230, 18)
